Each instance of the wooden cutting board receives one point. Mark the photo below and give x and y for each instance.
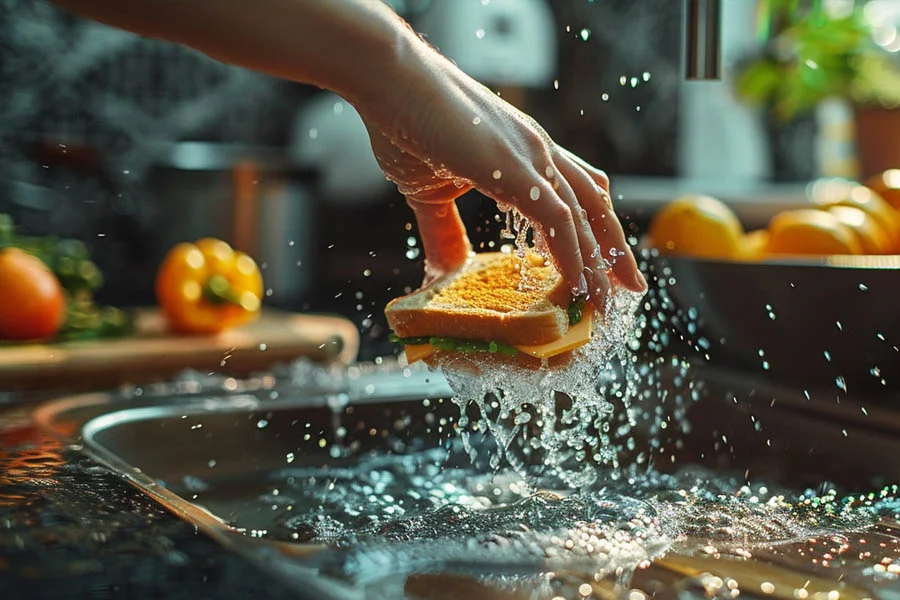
(153, 354)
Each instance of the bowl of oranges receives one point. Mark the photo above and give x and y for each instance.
(812, 298)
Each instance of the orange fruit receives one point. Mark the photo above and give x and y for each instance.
(871, 235)
(700, 226)
(842, 192)
(887, 185)
(756, 244)
(808, 231)
(32, 303)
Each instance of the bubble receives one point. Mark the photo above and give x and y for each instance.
(534, 193)
(497, 174)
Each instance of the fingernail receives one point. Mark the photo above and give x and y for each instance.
(641, 282)
(582, 289)
(607, 199)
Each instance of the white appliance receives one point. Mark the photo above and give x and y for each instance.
(499, 42)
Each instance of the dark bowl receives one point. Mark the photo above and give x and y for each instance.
(817, 322)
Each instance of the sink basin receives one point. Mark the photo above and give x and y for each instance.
(242, 463)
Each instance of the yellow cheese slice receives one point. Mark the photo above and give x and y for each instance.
(577, 335)
(416, 352)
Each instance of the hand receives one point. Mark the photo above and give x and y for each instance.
(435, 131)
(443, 134)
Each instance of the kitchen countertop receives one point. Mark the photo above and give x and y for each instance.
(71, 529)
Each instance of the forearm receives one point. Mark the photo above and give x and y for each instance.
(351, 47)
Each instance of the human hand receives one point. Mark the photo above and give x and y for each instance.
(443, 134)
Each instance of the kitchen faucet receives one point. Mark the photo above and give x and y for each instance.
(702, 36)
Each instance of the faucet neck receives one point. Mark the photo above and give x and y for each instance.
(703, 39)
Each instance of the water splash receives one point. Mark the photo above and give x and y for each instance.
(415, 513)
(561, 421)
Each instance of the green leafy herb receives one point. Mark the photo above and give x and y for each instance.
(576, 310)
(814, 53)
(458, 345)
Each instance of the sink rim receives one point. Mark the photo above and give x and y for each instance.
(295, 564)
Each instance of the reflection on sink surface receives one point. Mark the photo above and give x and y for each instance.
(356, 488)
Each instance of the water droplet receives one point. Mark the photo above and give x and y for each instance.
(534, 193)
(476, 121)
(840, 382)
(585, 34)
(497, 174)
(479, 33)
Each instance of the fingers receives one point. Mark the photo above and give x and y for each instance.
(594, 272)
(599, 177)
(605, 226)
(443, 236)
(543, 207)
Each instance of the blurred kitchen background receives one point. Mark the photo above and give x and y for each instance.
(133, 145)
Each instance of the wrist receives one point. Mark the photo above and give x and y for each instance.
(366, 55)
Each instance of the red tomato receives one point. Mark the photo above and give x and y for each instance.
(32, 303)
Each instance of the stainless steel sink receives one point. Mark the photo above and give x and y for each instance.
(209, 454)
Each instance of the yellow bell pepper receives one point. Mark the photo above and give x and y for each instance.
(208, 287)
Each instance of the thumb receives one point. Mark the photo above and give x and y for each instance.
(443, 236)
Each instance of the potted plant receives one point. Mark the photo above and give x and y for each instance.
(824, 51)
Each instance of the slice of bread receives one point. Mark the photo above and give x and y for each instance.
(495, 296)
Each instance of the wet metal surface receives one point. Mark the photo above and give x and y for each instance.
(72, 529)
